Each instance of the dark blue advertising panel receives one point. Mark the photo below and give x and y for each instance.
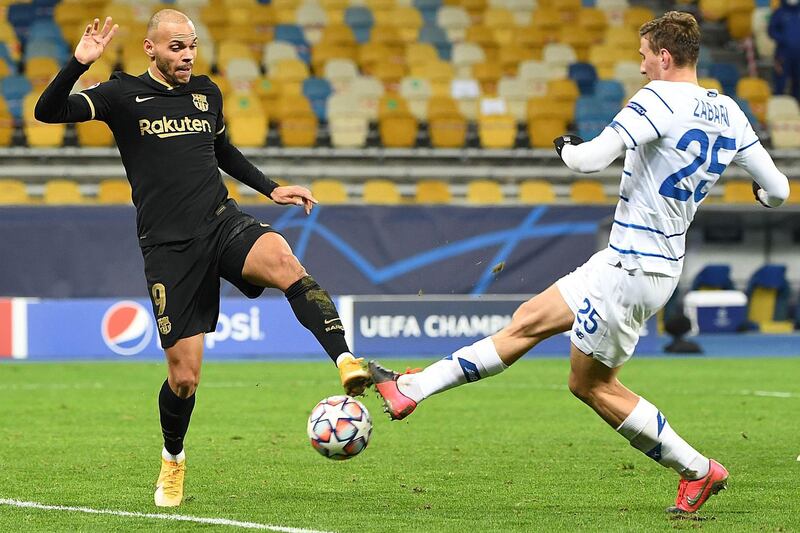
(91, 252)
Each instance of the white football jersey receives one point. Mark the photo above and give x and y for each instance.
(680, 138)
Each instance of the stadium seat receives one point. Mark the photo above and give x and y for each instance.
(543, 107)
(593, 22)
(397, 128)
(60, 192)
(484, 192)
(329, 191)
(93, 133)
(785, 133)
(380, 191)
(610, 91)
(347, 122)
(547, 22)
(782, 106)
(416, 91)
(447, 129)
(585, 77)
(768, 299)
(13, 192)
(756, 91)
(114, 191)
(360, 20)
(439, 75)
(464, 56)
(312, 18)
(536, 192)
(713, 277)
(588, 192)
(711, 83)
(513, 92)
(738, 192)
(541, 132)
(277, 51)
(317, 90)
(432, 192)
(727, 74)
(454, 20)
(248, 131)
(297, 122)
(340, 73)
(497, 131)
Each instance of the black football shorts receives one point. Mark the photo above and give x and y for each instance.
(183, 277)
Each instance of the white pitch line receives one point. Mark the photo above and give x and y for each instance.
(174, 517)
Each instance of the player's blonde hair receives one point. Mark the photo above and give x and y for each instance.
(676, 32)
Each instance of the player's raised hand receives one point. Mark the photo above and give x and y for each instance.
(94, 40)
(294, 195)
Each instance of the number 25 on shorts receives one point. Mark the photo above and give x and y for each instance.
(587, 317)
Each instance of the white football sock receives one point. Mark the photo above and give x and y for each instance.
(471, 363)
(648, 431)
(181, 457)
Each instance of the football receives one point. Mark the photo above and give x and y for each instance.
(339, 427)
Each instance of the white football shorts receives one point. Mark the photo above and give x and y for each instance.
(611, 305)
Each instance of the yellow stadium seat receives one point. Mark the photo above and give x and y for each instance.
(635, 16)
(432, 192)
(740, 25)
(389, 74)
(488, 74)
(536, 192)
(248, 130)
(59, 192)
(710, 83)
(6, 126)
(299, 130)
(565, 90)
(484, 192)
(511, 55)
(233, 190)
(529, 38)
(40, 70)
(497, 131)
(41, 135)
(398, 129)
(580, 41)
(381, 192)
(484, 36)
(408, 21)
(593, 21)
(13, 192)
(757, 92)
(329, 191)
(542, 131)
(785, 133)
(242, 103)
(420, 53)
(738, 192)
(794, 192)
(588, 192)
(714, 9)
(93, 133)
(323, 52)
(501, 21)
(114, 191)
(547, 22)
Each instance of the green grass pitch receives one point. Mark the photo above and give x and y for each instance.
(513, 453)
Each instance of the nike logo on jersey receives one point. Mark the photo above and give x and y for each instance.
(139, 99)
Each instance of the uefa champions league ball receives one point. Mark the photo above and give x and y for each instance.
(339, 427)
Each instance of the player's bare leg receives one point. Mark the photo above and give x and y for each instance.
(271, 263)
(646, 429)
(543, 316)
(176, 402)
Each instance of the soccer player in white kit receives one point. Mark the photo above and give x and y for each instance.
(677, 138)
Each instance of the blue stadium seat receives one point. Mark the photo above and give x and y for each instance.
(44, 8)
(704, 62)
(584, 75)
(609, 91)
(713, 277)
(428, 9)
(317, 90)
(433, 34)
(748, 111)
(360, 21)
(773, 279)
(727, 74)
(293, 35)
(5, 55)
(47, 48)
(21, 16)
(593, 114)
(14, 89)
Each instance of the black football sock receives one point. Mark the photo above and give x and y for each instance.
(313, 307)
(175, 414)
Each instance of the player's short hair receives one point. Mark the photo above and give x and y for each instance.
(165, 15)
(676, 32)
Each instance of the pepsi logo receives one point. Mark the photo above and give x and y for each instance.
(127, 328)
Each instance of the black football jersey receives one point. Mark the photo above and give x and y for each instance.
(166, 138)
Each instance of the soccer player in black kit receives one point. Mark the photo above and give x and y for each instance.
(169, 127)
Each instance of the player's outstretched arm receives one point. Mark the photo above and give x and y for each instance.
(591, 156)
(294, 195)
(56, 105)
(770, 186)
